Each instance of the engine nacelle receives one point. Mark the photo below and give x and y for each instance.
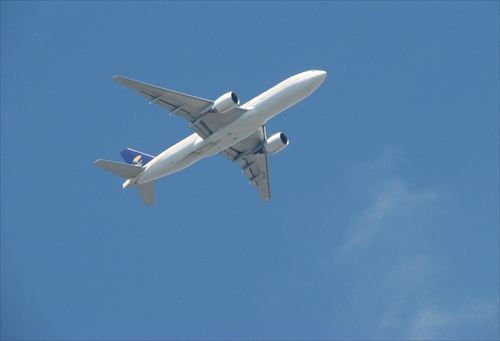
(226, 103)
(275, 143)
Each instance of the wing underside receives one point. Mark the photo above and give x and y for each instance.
(254, 163)
(194, 109)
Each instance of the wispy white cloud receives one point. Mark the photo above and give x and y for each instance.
(393, 202)
(412, 307)
(400, 273)
(397, 281)
(434, 323)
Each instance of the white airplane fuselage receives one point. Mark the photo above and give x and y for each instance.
(259, 111)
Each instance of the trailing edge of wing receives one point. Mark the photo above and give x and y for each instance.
(256, 168)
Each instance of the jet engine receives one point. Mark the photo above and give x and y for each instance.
(275, 143)
(226, 103)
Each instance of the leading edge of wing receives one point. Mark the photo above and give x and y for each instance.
(194, 109)
(183, 105)
(139, 86)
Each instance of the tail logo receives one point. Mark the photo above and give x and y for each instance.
(133, 157)
(138, 160)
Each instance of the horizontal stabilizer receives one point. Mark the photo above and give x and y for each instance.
(121, 169)
(135, 157)
(147, 192)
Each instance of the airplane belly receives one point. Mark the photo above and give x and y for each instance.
(177, 158)
(234, 132)
(280, 101)
(169, 165)
(280, 98)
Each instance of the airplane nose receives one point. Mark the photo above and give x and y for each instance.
(320, 75)
(315, 79)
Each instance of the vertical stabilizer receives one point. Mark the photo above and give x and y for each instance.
(137, 158)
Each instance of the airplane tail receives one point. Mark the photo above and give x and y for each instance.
(147, 192)
(134, 157)
(121, 169)
(128, 171)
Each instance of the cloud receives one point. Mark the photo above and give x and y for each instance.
(391, 275)
(410, 299)
(403, 281)
(393, 202)
(433, 323)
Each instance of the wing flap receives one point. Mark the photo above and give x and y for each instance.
(256, 168)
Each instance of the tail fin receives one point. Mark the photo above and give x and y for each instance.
(147, 192)
(135, 157)
(120, 169)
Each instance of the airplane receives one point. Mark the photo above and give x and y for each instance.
(220, 127)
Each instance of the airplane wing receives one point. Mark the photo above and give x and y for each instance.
(253, 162)
(194, 109)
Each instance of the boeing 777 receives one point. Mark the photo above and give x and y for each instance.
(220, 127)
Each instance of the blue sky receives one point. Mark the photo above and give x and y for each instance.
(384, 221)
